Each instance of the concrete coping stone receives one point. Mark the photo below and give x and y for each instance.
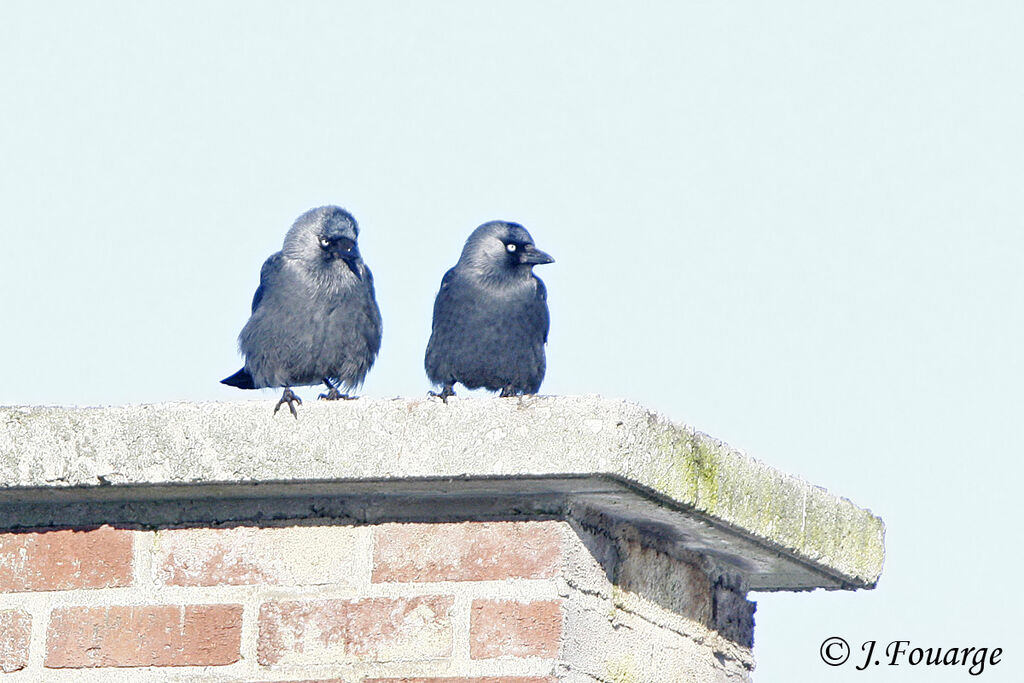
(609, 458)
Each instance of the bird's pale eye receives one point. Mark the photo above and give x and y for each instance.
(324, 242)
(510, 247)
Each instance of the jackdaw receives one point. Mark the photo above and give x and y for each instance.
(491, 316)
(314, 316)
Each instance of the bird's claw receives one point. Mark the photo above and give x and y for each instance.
(335, 395)
(291, 399)
(508, 391)
(443, 394)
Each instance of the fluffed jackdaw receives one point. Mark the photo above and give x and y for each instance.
(491, 316)
(314, 316)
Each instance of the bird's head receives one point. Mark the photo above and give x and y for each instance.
(502, 248)
(325, 235)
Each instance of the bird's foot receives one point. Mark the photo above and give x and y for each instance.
(335, 395)
(443, 394)
(508, 391)
(291, 399)
(332, 392)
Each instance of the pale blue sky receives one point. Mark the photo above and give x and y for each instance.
(793, 225)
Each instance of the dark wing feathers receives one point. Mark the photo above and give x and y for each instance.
(267, 273)
(542, 296)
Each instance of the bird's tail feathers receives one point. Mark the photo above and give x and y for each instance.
(241, 379)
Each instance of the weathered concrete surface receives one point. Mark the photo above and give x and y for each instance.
(659, 621)
(580, 456)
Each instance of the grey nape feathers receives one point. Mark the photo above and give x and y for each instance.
(491, 316)
(314, 316)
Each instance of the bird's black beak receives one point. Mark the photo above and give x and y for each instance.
(353, 265)
(533, 256)
(347, 251)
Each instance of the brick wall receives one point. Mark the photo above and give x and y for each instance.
(471, 602)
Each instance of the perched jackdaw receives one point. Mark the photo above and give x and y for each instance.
(491, 315)
(314, 316)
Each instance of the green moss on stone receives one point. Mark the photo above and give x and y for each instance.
(690, 469)
(622, 670)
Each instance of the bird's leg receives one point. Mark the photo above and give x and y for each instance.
(333, 394)
(444, 393)
(291, 399)
(508, 391)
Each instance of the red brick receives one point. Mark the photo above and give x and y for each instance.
(65, 559)
(254, 555)
(366, 630)
(144, 635)
(468, 551)
(15, 633)
(505, 628)
(483, 679)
